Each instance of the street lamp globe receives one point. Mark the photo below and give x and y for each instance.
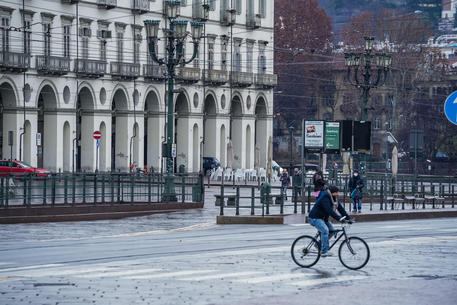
(152, 28)
(369, 42)
(180, 28)
(172, 8)
(197, 29)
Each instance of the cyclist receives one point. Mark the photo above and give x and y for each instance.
(325, 206)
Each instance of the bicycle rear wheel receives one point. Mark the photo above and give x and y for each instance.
(305, 251)
(354, 253)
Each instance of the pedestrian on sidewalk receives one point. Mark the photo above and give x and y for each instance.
(297, 181)
(355, 186)
(319, 183)
(285, 182)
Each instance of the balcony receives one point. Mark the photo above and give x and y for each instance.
(70, 1)
(154, 72)
(90, 68)
(125, 71)
(189, 75)
(140, 6)
(241, 79)
(228, 17)
(107, 4)
(253, 21)
(216, 77)
(52, 65)
(266, 80)
(14, 62)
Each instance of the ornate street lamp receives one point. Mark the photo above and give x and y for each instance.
(175, 36)
(363, 61)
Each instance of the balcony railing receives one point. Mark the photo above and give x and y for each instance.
(70, 1)
(266, 80)
(107, 4)
(90, 68)
(52, 65)
(140, 6)
(241, 79)
(154, 72)
(228, 17)
(188, 74)
(14, 62)
(216, 77)
(253, 21)
(123, 70)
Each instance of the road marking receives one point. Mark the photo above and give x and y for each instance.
(40, 273)
(273, 278)
(414, 241)
(30, 267)
(117, 273)
(168, 274)
(299, 225)
(248, 251)
(218, 276)
(313, 282)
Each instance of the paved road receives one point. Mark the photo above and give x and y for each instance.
(413, 262)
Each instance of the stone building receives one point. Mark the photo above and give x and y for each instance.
(69, 68)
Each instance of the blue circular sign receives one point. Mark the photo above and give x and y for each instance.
(450, 108)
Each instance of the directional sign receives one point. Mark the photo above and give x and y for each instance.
(450, 108)
(38, 139)
(97, 135)
(332, 136)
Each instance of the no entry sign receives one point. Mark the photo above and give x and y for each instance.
(97, 135)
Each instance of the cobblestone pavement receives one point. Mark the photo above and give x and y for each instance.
(128, 262)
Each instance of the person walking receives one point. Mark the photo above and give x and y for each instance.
(297, 181)
(285, 182)
(319, 183)
(355, 187)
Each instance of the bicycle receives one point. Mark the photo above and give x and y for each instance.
(353, 252)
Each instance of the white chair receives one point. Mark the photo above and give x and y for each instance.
(218, 174)
(262, 174)
(228, 174)
(252, 175)
(239, 175)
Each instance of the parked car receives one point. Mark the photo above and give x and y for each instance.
(210, 163)
(20, 168)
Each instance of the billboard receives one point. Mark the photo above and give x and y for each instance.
(314, 134)
(332, 136)
(362, 136)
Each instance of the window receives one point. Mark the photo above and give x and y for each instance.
(136, 45)
(120, 46)
(377, 124)
(250, 7)
(211, 54)
(250, 56)
(47, 39)
(103, 49)
(224, 43)
(66, 40)
(27, 34)
(237, 57)
(237, 6)
(262, 64)
(263, 8)
(182, 52)
(212, 5)
(5, 33)
(196, 61)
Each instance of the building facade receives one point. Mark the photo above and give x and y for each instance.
(69, 68)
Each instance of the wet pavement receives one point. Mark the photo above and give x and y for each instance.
(184, 258)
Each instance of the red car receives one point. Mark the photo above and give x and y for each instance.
(19, 168)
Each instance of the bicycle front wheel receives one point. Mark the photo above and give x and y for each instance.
(305, 251)
(354, 253)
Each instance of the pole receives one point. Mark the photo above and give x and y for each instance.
(96, 157)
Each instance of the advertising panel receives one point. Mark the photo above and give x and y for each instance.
(314, 134)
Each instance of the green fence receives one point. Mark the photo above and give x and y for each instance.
(380, 192)
(110, 188)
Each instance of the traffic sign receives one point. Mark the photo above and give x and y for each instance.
(38, 139)
(97, 135)
(173, 150)
(450, 108)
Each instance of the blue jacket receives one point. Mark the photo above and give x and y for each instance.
(323, 208)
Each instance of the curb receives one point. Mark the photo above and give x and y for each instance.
(300, 218)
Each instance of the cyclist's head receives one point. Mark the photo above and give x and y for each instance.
(334, 190)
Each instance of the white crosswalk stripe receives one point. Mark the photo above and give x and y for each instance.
(273, 278)
(117, 273)
(168, 274)
(219, 276)
(314, 282)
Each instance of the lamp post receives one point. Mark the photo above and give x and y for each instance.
(175, 35)
(354, 62)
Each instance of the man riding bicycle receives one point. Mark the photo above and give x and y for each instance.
(325, 206)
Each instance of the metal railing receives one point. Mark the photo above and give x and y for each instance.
(140, 6)
(253, 21)
(14, 61)
(188, 74)
(381, 191)
(125, 70)
(72, 189)
(228, 17)
(90, 67)
(107, 3)
(52, 64)
(155, 72)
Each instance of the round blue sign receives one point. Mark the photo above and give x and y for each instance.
(450, 108)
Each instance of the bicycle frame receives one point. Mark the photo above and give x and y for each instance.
(336, 232)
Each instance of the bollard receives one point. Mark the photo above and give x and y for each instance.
(237, 201)
(222, 201)
(252, 201)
